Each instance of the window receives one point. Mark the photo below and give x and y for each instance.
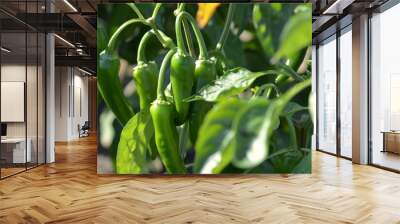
(385, 89)
(346, 92)
(327, 96)
(22, 78)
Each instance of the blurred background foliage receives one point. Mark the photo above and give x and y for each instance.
(254, 40)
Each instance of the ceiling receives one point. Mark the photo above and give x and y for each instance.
(75, 22)
(330, 15)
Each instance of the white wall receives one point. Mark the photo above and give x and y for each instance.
(71, 94)
(62, 81)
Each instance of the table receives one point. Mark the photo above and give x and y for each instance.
(391, 141)
(16, 146)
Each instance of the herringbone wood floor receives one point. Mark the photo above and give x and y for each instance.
(70, 191)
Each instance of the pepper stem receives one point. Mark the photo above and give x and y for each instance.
(114, 37)
(189, 41)
(179, 36)
(200, 40)
(161, 75)
(136, 10)
(156, 9)
(164, 39)
(182, 7)
(225, 32)
(141, 55)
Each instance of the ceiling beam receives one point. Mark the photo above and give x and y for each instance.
(80, 20)
(79, 61)
(89, 30)
(337, 7)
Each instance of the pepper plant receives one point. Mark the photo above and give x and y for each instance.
(200, 109)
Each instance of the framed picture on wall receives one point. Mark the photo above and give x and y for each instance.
(12, 101)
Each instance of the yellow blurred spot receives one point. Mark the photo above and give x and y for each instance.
(205, 12)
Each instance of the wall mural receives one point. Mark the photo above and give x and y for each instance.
(205, 88)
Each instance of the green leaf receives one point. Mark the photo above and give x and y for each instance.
(232, 83)
(269, 20)
(280, 103)
(281, 138)
(252, 146)
(266, 90)
(134, 144)
(288, 71)
(291, 132)
(214, 149)
(304, 165)
(287, 79)
(249, 146)
(296, 35)
(286, 162)
(293, 108)
(304, 127)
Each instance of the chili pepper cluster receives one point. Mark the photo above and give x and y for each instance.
(187, 76)
(194, 102)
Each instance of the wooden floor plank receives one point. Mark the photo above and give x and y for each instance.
(70, 191)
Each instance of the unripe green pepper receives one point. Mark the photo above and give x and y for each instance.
(205, 73)
(110, 87)
(182, 79)
(166, 136)
(145, 76)
(163, 116)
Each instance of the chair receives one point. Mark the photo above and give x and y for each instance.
(84, 130)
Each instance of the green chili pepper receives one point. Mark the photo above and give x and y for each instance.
(166, 135)
(110, 87)
(205, 73)
(182, 79)
(183, 66)
(145, 74)
(108, 77)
